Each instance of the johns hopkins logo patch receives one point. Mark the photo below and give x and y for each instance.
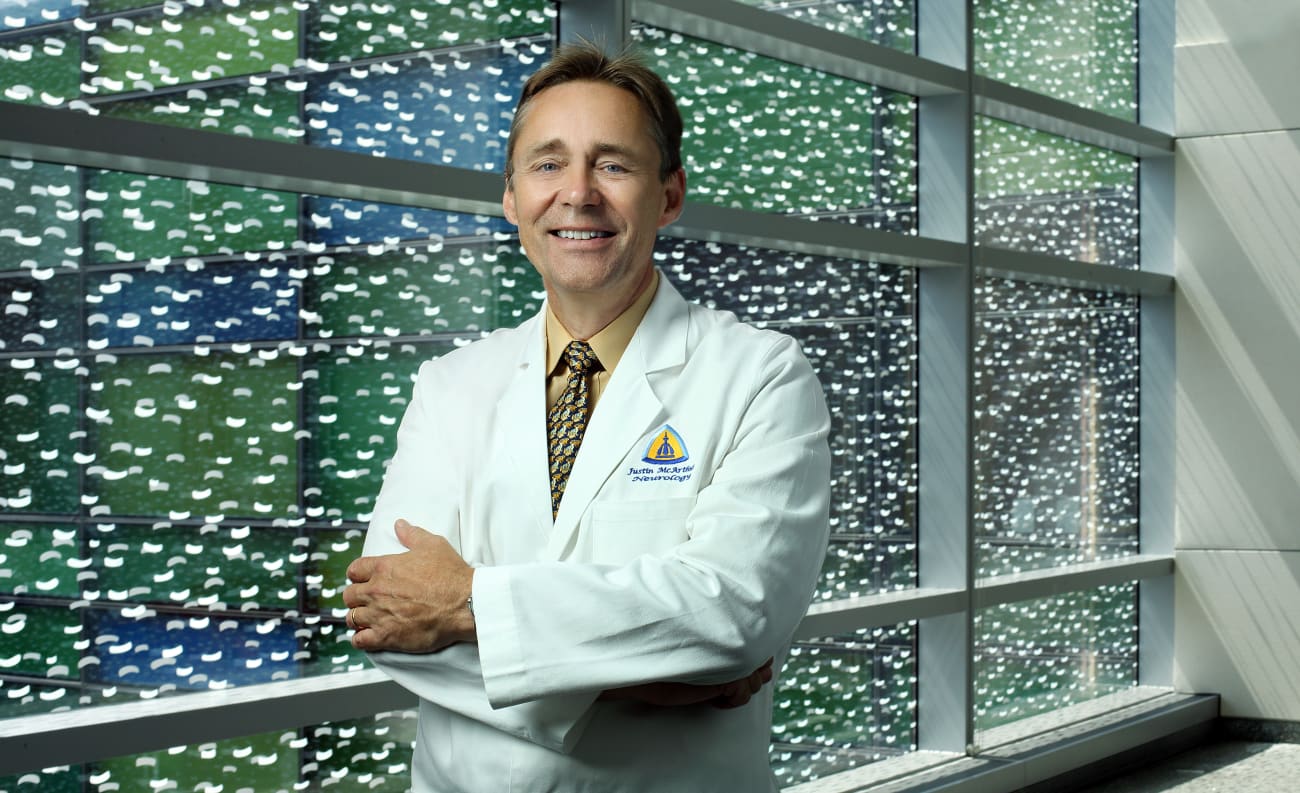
(666, 448)
(667, 457)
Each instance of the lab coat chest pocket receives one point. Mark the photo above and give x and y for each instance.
(624, 530)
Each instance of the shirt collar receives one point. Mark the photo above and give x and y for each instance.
(610, 342)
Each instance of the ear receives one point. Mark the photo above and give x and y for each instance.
(508, 205)
(674, 188)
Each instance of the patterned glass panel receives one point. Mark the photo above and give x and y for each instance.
(888, 22)
(1082, 53)
(842, 701)
(354, 755)
(434, 82)
(856, 322)
(1056, 422)
(845, 701)
(1042, 193)
(770, 136)
(201, 388)
(1042, 655)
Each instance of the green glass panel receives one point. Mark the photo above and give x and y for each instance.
(53, 780)
(39, 559)
(41, 70)
(766, 135)
(39, 641)
(193, 45)
(1037, 656)
(1084, 53)
(268, 112)
(844, 701)
(332, 550)
(269, 761)
(208, 435)
(342, 31)
(891, 23)
(39, 216)
(137, 218)
(1042, 193)
(1056, 426)
(39, 313)
(475, 287)
(356, 397)
(361, 755)
(38, 435)
(236, 567)
(330, 650)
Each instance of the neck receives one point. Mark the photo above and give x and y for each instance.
(585, 315)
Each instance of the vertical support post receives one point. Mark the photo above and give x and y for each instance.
(1156, 20)
(945, 128)
(607, 23)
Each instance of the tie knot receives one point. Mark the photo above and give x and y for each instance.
(580, 357)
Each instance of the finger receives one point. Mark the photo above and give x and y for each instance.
(361, 569)
(353, 596)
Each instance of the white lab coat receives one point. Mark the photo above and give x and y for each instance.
(695, 571)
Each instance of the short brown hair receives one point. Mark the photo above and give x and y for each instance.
(587, 61)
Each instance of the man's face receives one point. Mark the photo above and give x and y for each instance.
(586, 193)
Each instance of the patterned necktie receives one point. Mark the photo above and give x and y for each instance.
(567, 420)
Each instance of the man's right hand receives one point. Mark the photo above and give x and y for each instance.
(721, 695)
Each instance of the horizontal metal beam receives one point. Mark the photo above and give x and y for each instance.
(822, 238)
(793, 41)
(1043, 269)
(63, 136)
(890, 608)
(1071, 578)
(1039, 111)
(1162, 720)
(99, 732)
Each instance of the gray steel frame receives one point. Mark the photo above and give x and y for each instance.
(942, 76)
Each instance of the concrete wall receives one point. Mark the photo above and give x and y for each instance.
(1237, 261)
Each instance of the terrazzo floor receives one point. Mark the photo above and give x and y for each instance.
(1223, 767)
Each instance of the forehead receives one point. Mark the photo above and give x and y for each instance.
(582, 113)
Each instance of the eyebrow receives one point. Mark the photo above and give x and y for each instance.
(555, 145)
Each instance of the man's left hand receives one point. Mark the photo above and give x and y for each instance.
(413, 602)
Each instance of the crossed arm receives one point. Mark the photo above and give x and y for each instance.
(415, 602)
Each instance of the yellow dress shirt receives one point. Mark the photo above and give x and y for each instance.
(609, 345)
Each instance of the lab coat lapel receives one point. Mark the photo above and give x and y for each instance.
(627, 410)
(521, 428)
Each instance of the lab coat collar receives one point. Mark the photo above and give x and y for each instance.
(627, 411)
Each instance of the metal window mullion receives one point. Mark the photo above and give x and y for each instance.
(606, 23)
(1156, 345)
(945, 707)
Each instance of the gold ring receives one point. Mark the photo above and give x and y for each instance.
(351, 622)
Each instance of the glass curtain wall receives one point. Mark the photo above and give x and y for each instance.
(202, 381)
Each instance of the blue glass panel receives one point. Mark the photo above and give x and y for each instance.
(342, 221)
(26, 13)
(446, 109)
(194, 653)
(200, 303)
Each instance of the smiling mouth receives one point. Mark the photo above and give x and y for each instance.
(573, 234)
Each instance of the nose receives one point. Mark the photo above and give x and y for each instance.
(580, 188)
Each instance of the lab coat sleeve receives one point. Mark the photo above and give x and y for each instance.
(420, 486)
(715, 607)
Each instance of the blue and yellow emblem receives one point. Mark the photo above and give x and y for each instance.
(666, 448)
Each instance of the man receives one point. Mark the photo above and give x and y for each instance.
(622, 502)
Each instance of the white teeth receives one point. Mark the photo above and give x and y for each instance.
(569, 234)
